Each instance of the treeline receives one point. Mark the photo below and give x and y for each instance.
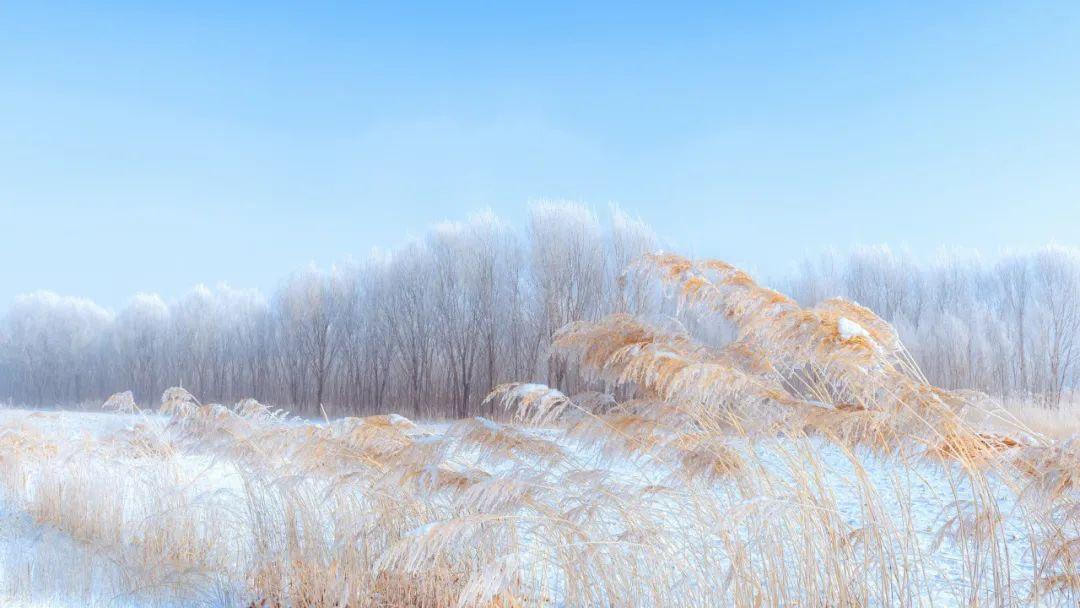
(425, 330)
(1010, 328)
(429, 328)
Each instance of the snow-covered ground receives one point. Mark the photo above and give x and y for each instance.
(41, 565)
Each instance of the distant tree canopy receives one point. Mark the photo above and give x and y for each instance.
(428, 329)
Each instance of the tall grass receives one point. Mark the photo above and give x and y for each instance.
(806, 463)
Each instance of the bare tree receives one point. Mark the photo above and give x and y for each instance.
(139, 339)
(308, 308)
(569, 268)
(1057, 284)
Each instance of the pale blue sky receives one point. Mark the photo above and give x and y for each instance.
(149, 147)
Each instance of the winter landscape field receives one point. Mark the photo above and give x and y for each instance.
(539, 305)
(806, 462)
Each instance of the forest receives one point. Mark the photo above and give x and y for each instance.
(428, 329)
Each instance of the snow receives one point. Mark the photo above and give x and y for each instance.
(489, 425)
(850, 329)
(909, 497)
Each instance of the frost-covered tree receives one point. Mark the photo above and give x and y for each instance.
(430, 327)
(52, 345)
(569, 268)
(139, 339)
(309, 308)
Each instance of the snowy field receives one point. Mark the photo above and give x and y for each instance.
(214, 507)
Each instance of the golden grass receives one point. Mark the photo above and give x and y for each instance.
(1059, 423)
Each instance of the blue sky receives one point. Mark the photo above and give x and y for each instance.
(152, 146)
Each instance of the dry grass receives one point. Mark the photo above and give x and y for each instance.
(787, 468)
(1059, 423)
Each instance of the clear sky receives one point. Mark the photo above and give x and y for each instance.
(151, 146)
